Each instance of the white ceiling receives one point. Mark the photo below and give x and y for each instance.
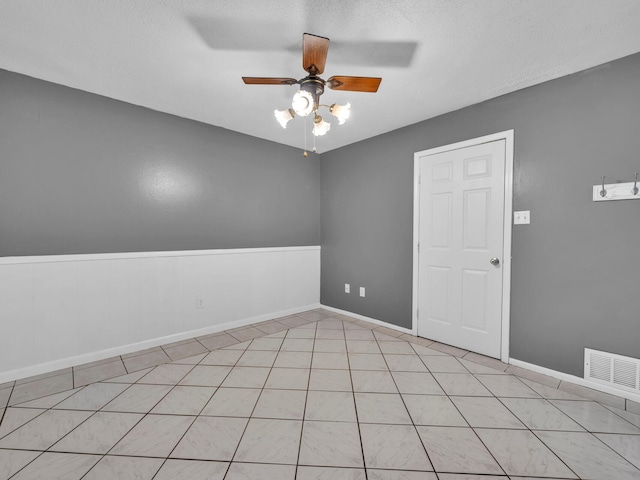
(187, 57)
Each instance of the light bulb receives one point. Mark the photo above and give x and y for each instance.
(302, 103)
(320, 127)
(341, 112)
(284, 116)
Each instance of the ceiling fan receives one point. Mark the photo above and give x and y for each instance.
(307, 99)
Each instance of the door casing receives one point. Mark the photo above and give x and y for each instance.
(507, 136)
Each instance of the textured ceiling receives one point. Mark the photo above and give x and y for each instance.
(434, 56)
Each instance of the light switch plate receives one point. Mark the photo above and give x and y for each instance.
(522, 217)
(362, 291)
(347, 288)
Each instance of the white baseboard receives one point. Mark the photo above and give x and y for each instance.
(135, 347)
(369, 319)
(574, 379)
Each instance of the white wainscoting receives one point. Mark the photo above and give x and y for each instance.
(60, 311)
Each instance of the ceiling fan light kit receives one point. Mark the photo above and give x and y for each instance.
(320, 127)
(307, 99)
(284, 116)
(303, 103)
(341, 112)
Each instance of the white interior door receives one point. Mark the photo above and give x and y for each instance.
(461, 226)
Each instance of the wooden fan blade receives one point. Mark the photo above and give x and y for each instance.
(314, 53)
(354, 84)
(269, 81)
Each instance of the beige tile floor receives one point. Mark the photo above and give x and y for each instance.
(314, 396)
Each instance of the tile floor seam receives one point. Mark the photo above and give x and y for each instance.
(48, 449)
(6, 407)
(469, 426)
(355, 406)
(565, 463)
(22, 425)
(306, 401)
(205, 406)
(195, 418)
(125, 366)
(244, 431)
(613, 450)
(144, 415)
(575, 420)
(412, 420)
(28, 463)
(409, 414)
(615, 413)
(88, 418)
(490, 452)
(533, 431)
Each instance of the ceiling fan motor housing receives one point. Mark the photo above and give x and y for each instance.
(314, 85)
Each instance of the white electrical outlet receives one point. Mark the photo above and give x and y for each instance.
(347, 288)
(199, 303)
(362, 291)
(522, 218)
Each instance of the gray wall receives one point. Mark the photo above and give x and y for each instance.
(80, 173)
(575, 268)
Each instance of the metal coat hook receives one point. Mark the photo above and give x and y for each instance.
(603, 192)
(635, 185)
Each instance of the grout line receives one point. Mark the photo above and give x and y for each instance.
(616, 413)
(306, 399)
(29, 463)
(201, 410)
(144, 414)
(355, 405)
(6, 407)
(125, 366)
(466, 420)
(555, 454)
(473, 429)
(203, 346)
(244, 431)
(415, 427)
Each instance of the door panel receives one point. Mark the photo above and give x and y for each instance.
(461, 225)
(477, 167)
(439, 294)
(441, 221)
(474, 296)
(475, 210)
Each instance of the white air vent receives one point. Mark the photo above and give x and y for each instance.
(613, 370)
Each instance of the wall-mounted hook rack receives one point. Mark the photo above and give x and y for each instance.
(616, 191)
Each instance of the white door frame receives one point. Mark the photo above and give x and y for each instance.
(507, 136)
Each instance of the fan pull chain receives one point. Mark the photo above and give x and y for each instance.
(305, 137)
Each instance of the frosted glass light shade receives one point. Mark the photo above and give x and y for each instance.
(284, 116)
(341, 112)
(320, 127)
(302, 103)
